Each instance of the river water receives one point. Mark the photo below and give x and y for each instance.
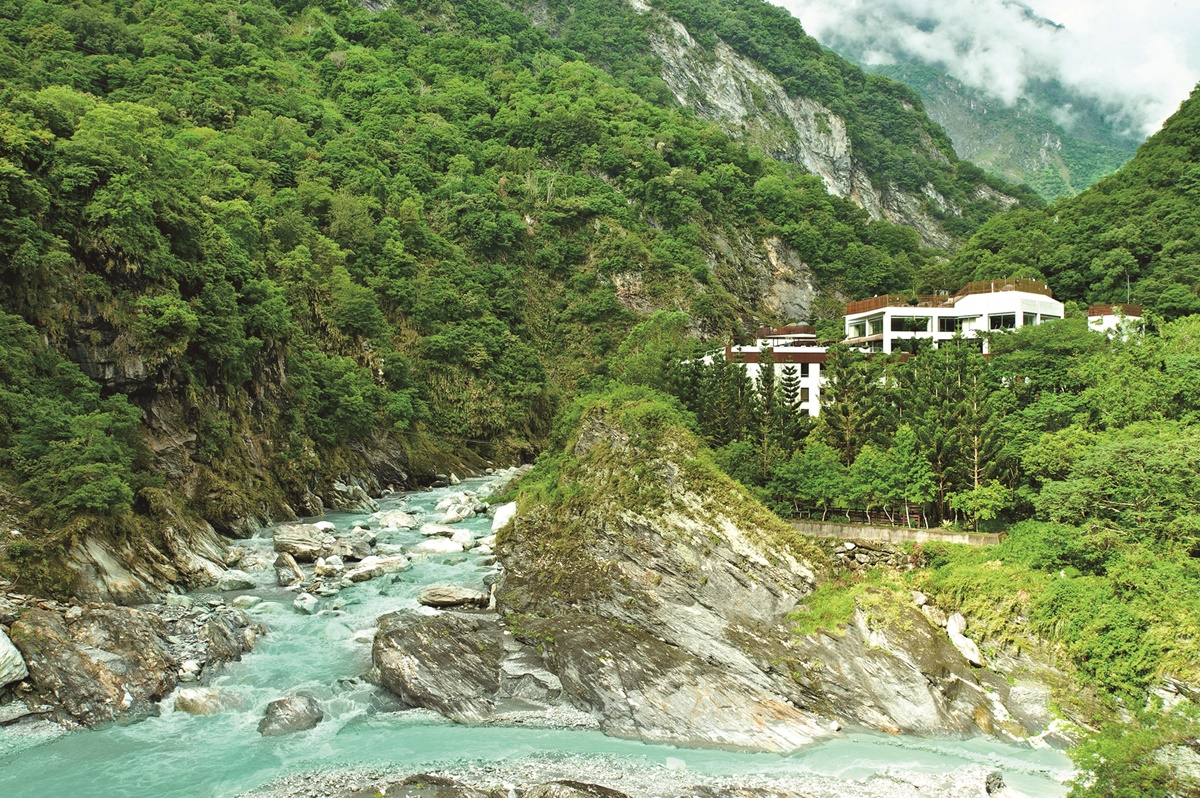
(186, 756)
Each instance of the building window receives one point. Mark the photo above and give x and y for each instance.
(1028, 319)
(876, 326)
(910, 324)
(1002, 321)
(1049, 317)
(803, 369)
(858, 330)
(804, 394)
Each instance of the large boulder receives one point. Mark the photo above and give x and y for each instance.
(395, 520)
(203, 701)
(107, 663)
(292, 714)
(504, 514)
(12, 664)
(235, 580)
(448, 662)
(305, 542)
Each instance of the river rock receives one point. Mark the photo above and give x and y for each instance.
(12, 664)
(459, 512)
(437, 530)
(464, 538)
(395, 520)
(235, 580)
(442, 596)
(291, 714)
(246, 602)
(354, 545)
(307, 603)
(331, 566)
(504, 514)
(287, 570)
(305, 542)
(203, 701)
(112, 662)
(366, 570)
(437, 546)
(447, 662)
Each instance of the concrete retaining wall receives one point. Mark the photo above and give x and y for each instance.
(893, 534)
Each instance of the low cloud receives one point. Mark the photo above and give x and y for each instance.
(1136, 63)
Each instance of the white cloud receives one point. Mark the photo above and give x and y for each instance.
(1141, 58)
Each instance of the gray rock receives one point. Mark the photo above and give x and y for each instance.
(111, 663)
(448, 662)
(12, 664)
(452, 596)
(235, 580)
(291, 714)
(287, 570)
(307, 603)
(354, 545)
(246, 602)
(305, 542)
(203, 701)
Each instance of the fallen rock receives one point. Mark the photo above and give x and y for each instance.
(437, 530)
(203, 701)
(354, 545)
(448, 662)
(442, 596)
(235, 580)
(12, 664)
(395, 520)
(287, 570)
(291, 714)
(956, 625)
(331, 566)
(246, 602)
(464, 538)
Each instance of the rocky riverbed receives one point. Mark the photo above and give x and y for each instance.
(531, 724)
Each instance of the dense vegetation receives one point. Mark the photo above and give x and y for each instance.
(1135, 234)
(1084, 448)
(323, 231)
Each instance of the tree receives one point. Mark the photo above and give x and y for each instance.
(914, 482)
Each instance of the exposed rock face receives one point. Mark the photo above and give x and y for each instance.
(750, 103)
(109, 662)
(899, 673)
(291, 714)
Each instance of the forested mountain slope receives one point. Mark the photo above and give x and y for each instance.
(750, 67)
(1135, 234)
(1022, 142)
(251, 252)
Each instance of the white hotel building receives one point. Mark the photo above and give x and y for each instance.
(895, 322)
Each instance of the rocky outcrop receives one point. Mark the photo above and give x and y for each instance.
(107, 662)
(291, 714)
(100, 662)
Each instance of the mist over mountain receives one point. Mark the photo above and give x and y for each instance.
(1131, 79)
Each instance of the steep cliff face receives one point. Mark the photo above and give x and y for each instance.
(749, 102)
